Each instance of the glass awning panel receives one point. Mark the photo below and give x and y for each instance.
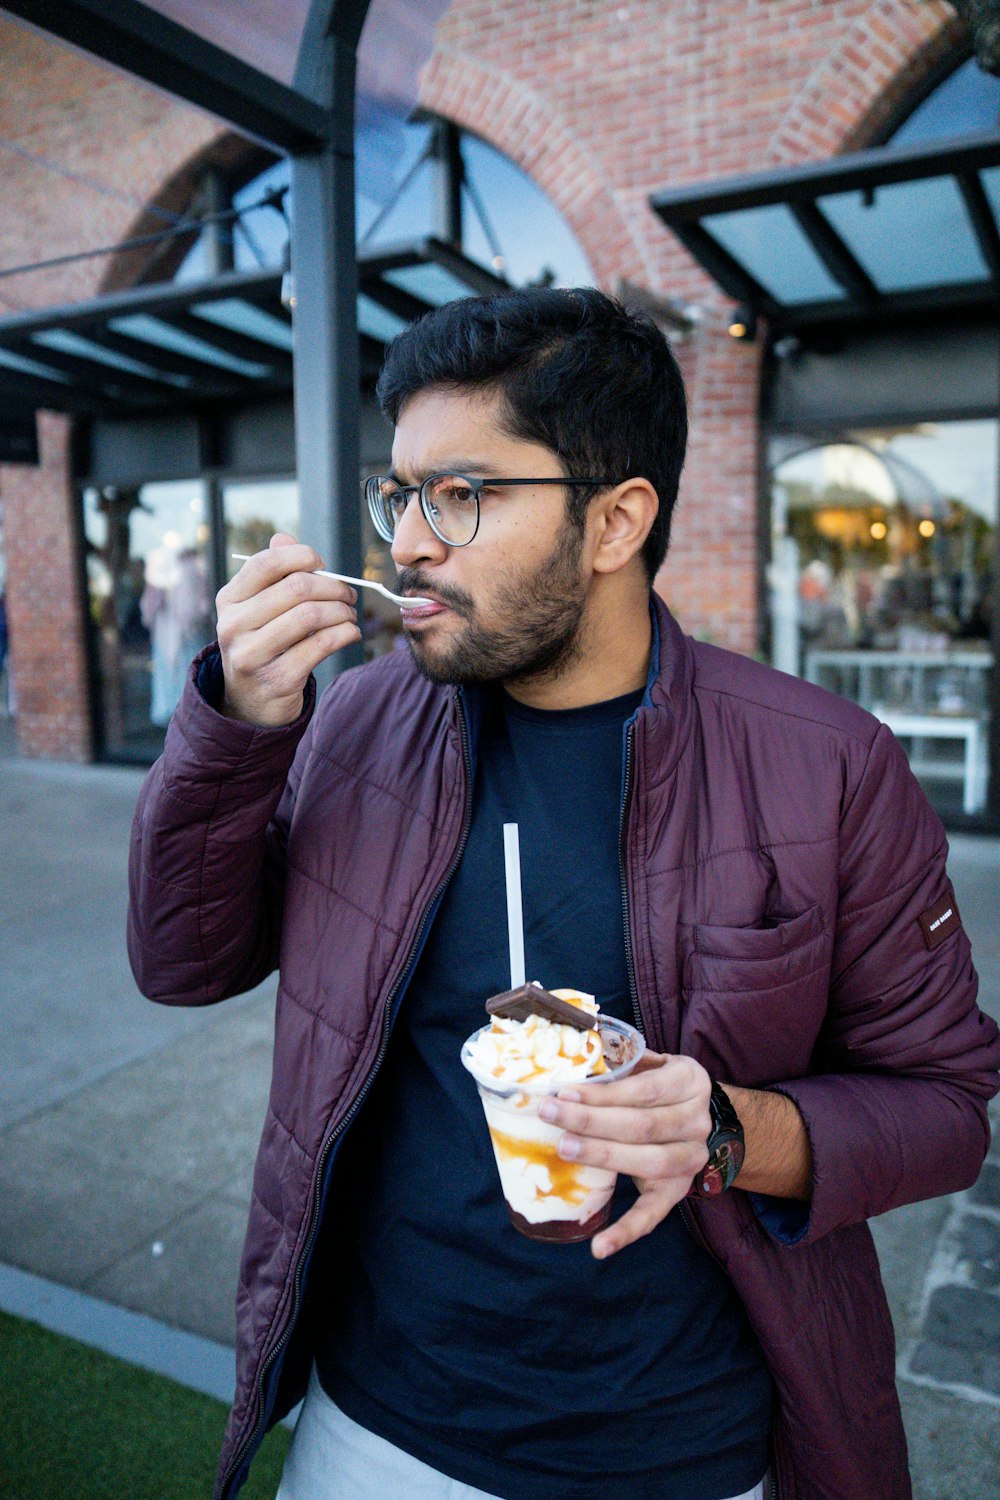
(769, 242)
(991, 184)
(162, 336)
(378, 322)
(171, 347)
(429, 282)
(265, 34)
(243, 317)
(65, 341)
(880, 233)
(909, 234)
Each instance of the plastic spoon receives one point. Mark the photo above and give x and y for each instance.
(403, 600)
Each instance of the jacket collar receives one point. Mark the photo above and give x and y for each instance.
(665, 718)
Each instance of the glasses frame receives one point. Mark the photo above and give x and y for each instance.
(373, 484)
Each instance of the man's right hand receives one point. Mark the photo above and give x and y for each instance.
(277, 621)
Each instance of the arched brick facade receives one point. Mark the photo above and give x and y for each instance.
(602, 104)
(113, 141)
(880, 63)
(602, 101)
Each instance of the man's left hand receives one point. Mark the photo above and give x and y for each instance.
(654, 1125)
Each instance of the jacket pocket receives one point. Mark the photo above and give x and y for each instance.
(755, 997)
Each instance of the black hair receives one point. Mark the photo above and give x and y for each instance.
(575, 371)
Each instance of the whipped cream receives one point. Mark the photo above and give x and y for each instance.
(537, 1051)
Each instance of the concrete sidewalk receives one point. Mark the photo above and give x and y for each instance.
(128, 1131)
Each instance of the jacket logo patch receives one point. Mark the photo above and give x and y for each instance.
(940, 922)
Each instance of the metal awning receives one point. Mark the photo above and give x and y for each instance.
(874, 234)
(156, 348)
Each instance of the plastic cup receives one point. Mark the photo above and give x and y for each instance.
(548, 1198)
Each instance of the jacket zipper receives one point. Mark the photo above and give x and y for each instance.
(626, 914)
(358, 1101)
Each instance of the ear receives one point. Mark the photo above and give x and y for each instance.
(622, 519)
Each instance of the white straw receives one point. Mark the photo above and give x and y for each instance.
(515, 921)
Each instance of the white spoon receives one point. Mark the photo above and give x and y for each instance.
(403, 600)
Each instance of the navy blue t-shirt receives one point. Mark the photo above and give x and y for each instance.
(522, 1368)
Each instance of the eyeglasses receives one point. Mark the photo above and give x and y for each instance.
(449, 502)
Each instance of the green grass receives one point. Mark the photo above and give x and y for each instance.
(76, 1424)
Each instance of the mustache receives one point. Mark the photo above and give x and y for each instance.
(411, 580)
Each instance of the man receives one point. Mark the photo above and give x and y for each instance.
(735, 860)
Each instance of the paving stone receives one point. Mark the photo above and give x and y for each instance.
(61, 1218)
(978, 1368)
(978, 1246)
(190, 1114)
(963, 1318)
(191, 1281)
(987, 1189)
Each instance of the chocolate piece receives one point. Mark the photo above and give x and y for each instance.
(531, 1000)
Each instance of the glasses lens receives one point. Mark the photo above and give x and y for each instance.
(386, 503)
(452, 508)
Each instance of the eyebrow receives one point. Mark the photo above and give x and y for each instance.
(475, 467)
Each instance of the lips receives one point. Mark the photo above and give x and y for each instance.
(427, 611)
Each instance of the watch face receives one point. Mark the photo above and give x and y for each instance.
(722, 1168)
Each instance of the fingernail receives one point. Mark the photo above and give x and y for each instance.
(572, 1096)
(569, 1148)
(548, 1111)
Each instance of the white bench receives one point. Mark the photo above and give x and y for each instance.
(972, 772)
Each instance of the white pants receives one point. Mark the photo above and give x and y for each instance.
(332, 1458)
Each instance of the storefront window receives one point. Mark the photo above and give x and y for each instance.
(151, 604)
(882, 584)
(253, 512)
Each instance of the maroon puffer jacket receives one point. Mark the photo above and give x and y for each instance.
(778, 857)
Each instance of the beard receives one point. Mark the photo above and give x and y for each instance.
(542, 613)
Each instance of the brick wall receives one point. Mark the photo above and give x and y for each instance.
(604, 103)
(601, 101)
(116, 143)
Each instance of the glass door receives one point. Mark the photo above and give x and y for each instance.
(151, 601)
(883, 585)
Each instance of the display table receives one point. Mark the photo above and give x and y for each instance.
(972, 772)
(922, 697)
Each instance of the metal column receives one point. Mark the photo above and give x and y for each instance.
(327, 375)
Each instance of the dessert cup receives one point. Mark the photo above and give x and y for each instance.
(548, 1198)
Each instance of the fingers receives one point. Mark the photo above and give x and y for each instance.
(654, 1124)
(663, 1080)
(277, 621)
(642, 1126)
(670, 1161)
(288, 594)
(265, 568)
(651, 1207)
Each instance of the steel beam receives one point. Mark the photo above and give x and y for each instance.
(148, 45)
(855, 171)
(842, 265)
(325, 332)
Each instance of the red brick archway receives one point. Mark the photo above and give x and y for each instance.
(523, 123)
(858, 88)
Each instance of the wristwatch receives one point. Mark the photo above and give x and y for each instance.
(726, 1148)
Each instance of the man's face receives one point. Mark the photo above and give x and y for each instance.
(508, 606)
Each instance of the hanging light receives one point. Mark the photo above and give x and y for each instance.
(743, 324)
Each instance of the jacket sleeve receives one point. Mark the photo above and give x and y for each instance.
(895, 1107)
(206, 864)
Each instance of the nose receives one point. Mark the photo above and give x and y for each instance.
(414, 541)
